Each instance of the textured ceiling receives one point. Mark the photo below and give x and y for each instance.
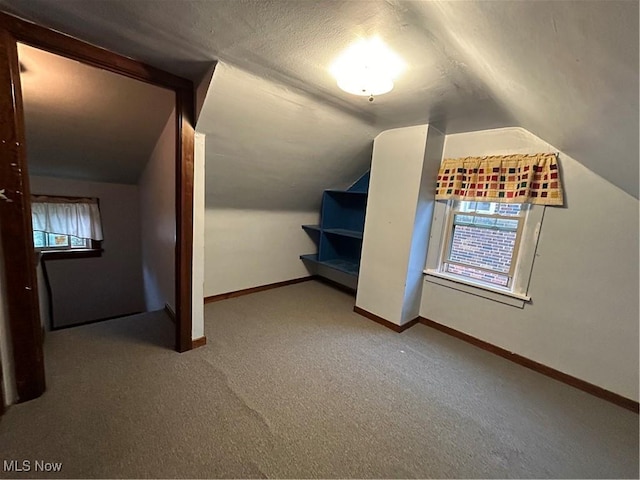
(271, 148)
(566, 71)
(86, 123)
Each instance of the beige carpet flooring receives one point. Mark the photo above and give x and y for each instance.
(292, 384)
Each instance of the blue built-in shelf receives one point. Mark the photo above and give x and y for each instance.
(344, 232)
(339, 235)
(345, 192)
(342, 265)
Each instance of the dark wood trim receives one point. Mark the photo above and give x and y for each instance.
(336, 285)
(47, 285)
(538, 367)
(262, 288)
(15, 230)
(39, 197)
(78, 253)
(384, 321)
(3, 407)
(198, 342)
(170, 313)
(67, 46)
(185, 136)
(97, 320)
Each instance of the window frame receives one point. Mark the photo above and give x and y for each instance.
(524, 254)
(449, 235)
(87, 242)
(53, 253)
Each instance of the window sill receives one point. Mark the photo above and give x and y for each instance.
(76, 253)
(495, 294)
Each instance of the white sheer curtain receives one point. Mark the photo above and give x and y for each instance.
(79, 217)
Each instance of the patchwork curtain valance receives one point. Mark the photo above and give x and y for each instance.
(502, 178)
(79, 217)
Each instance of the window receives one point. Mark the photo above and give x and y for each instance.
(482, 242)
(48, 241)
(483, 247)
(66, 226)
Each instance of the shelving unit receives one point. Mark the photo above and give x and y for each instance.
(339, 235)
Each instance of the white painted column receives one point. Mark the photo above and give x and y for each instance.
(197, 305)
(396, 232)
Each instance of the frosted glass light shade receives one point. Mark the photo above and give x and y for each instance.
(368, 67)
(365, 86)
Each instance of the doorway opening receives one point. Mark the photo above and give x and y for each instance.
(101, 156)
(16, 231)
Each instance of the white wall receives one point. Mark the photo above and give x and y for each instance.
(6, 352)
(249, 248)
(93, 288)
(583, 319)
(422, 225)
(158, 220)
(270, 152)
(394, 244)
(197, 292)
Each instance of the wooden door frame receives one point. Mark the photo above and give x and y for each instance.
(15, 229)
(2, 405)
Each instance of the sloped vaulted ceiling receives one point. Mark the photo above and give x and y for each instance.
(566, 71)
(285, 148)
(86, 123)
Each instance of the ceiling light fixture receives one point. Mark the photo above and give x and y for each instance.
(367, 68)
